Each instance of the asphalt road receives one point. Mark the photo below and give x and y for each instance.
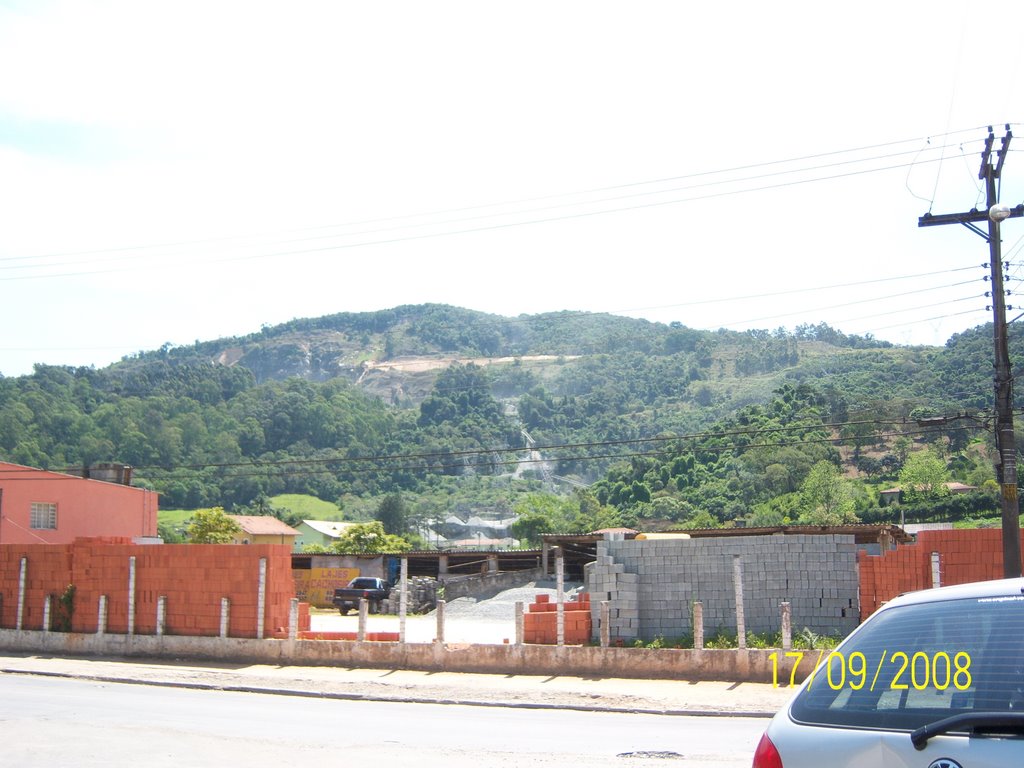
(61, 722)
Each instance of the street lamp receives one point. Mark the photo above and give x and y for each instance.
(999, 212)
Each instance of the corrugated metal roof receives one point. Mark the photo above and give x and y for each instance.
(333, 528)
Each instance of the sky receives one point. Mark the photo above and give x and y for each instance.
(174, 172)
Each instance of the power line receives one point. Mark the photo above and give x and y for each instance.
(594, 190)
(585, 458)
(856, 303)
(548, 448)
(524, 222)
(307, 466)
(656, 439)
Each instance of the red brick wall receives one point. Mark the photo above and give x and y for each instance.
(193, 577)
(48, 573)
(964, 556)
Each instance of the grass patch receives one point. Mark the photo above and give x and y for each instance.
(802, 640)
(979, 522)
(177, 518)
(307, 507)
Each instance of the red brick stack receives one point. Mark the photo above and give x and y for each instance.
(540, 623)
(964, 556)
(48, 573)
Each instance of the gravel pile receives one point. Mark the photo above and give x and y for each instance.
(502, 605)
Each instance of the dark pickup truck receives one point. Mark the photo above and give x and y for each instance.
(374, 590)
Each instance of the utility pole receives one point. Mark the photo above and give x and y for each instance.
(1006, 446)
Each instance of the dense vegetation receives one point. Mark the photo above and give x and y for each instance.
(665, 423)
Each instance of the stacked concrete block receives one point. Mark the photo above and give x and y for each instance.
(421, 596)
(817, 575)
(608, 580)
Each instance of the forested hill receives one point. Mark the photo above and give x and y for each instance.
(342, 345)
(422, 396)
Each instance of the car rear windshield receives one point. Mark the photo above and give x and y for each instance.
(913, 665)
(364, 583)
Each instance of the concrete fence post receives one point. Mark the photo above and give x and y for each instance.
(403, 598)
(22, 576)
(101, 616)
(440, 622)
(698, 625)
(560, 604)
(161, 615)
(364, 610)
(225, 616)
(741, 621)
(46, 613)
(787, 626)
(520, 622)
(936, 572)
(293, 619)
(131, 595)
(261, 599)
(606, 630)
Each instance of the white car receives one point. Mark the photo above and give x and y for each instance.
(933, 679)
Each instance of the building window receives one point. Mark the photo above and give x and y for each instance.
(44, 515)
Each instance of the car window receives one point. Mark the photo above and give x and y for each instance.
(914, 664)
(364, 583)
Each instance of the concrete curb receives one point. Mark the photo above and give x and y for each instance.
(403, 699)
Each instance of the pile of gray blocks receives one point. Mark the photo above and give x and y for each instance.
(421, 596)
(607, 580)
(651, 585)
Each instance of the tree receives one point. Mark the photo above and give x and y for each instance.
(212, 526)
(901, 448)
(530, 526)
(539, 513)
(766, 516)
(369, 538)
(392, 514)
(169, 533)
(924, 477)
(701, 519)
(592, 515)
(825, 497)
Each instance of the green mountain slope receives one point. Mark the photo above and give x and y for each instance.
(417, 397)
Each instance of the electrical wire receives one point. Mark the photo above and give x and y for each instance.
(855, 303)
(949, 112)
(434, 468)
(665, 439)
(594, 190)
(522, 222)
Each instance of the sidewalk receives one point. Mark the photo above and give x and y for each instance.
(606, 694)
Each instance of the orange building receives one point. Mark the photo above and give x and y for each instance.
(42, 507)
(263, 529)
